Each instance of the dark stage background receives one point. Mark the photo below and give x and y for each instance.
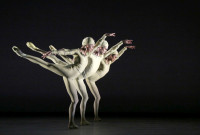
(160, 76)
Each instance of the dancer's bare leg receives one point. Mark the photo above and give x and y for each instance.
(95, 92)
(83, 92)
(69, 84)
(49, 66)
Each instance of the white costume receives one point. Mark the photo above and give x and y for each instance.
(101, 72)
(91, 68)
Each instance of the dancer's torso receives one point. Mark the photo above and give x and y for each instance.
(101, 72)
(80, 63)
(92, 66)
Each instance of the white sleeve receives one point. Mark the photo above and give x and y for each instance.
(114, 48)
(121, 52)
(99, 42)
(65, 51)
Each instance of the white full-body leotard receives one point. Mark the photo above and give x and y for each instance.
(101, 72)
(91, 68)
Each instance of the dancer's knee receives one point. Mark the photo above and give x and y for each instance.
(85, 98)
(97, 98)
(75, 102)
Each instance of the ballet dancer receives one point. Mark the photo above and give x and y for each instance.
(101, 72)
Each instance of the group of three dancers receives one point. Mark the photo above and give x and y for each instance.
(90, 62)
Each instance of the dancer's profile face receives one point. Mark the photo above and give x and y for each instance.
(112, 57)
(102, 50)
(90, 47)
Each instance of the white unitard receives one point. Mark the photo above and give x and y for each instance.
(101, 72)
(91, 68)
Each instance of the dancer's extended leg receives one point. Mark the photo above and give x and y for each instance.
(69, 84)
(95, 92)
(51, 57)
(83, 92)
(50, 66)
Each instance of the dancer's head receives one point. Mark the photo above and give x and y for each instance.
(103, 48)
(112, 57)
(88, 43)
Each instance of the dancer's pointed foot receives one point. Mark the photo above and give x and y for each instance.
(72, 126)
(31, 46)
(18, 51)
(52, 48)
(84, 122)
(97, 119)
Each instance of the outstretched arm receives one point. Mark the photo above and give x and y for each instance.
(100, 41)
(62, 51)
(115, 47)
(64, 57)
(121, 52)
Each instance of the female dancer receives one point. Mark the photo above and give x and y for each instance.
(70, 72)
(101, 72)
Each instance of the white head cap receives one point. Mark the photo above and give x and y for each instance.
(88, 40)
(105, 44)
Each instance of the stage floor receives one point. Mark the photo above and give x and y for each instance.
(57, 125)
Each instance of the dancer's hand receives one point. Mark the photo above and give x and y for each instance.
(127, 41)
(46, 54)
(110, 34)
(130, 47)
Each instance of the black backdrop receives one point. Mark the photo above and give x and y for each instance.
(161, 75)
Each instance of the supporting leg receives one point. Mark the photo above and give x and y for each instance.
(71, 89)
(95, 92)
(83, 92)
